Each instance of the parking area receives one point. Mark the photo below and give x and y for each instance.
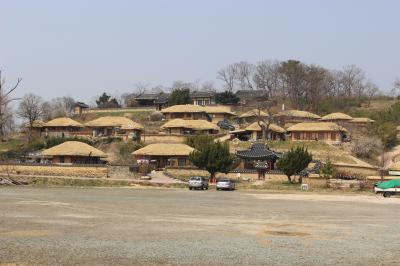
(127, 226)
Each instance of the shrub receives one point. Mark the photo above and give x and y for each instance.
(156, 116)
(198, 142)
(328, 169)
(125, 150)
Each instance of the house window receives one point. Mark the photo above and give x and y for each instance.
(181, 162)
(321, 135)
(199, 102)
(259, 135)
(296, 135)
(62, 160)
(206, 102)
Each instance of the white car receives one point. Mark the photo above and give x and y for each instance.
(225, 184)
(387, 192)
(198, 182)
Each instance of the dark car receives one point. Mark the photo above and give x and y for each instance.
(224, 124)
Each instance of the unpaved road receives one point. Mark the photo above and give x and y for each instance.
(125, 226)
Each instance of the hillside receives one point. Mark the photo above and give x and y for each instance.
(320, 151)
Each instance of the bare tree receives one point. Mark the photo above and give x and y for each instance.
(207, 86)
(352, 79)
(30, 109)
(178, 85)
(228, 76)
(264, 117)
(396, 87)
(371, 89)
(141, 88)
(5, 100)
(244, 75)
(266, 77)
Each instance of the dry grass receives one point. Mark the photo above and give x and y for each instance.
(320, 150)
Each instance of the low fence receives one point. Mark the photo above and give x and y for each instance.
(98, 171)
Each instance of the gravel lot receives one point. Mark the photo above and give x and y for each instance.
(125, 226)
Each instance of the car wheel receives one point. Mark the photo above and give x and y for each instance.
(206, 188)
(218, 189)
(190, 188)
(387, 194)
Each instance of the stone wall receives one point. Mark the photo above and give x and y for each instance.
(54, 170)
(357, 170)
(120, 171)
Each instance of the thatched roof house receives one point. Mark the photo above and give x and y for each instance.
(252, 116)
(362, 121)
(275, 132)
(113, 125)
(62, 127)
(114, 121)
(335, 117)
(62, 122)
(74, 152)
(289, 117)
(219, 112)
(182, 126)
(164, 154)
(324, 131)
(36, 130)
(186, 111)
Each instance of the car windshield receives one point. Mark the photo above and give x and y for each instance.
(224, 180)
(195, 178)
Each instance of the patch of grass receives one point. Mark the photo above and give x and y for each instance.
(11, 144)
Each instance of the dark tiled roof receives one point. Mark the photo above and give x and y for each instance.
(162, 98)
(156, 97)
(202, 94)
(81, 104)
(258, 151)
(251, 93)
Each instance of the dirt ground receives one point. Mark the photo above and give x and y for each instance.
(137, 226)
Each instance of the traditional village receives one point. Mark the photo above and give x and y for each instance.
(199, 133)
(154, 141)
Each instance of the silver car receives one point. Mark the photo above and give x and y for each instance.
(225, 184)
(198, 182)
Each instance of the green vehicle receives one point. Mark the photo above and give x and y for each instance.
(388, 188)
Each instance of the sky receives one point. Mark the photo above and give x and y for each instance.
(80, 48)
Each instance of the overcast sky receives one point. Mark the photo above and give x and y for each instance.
(82, 48)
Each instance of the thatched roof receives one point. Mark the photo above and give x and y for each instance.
(218, 110)
(316, 126)
(337, 116)
(35, 124)
(114, 121)
(74, 148)
(362, 120)
(62, 122)
(272, 127)
(184, 108)
(298, 114)
(394, 166)
(253, 113)
(191, 124)
(165, 149)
